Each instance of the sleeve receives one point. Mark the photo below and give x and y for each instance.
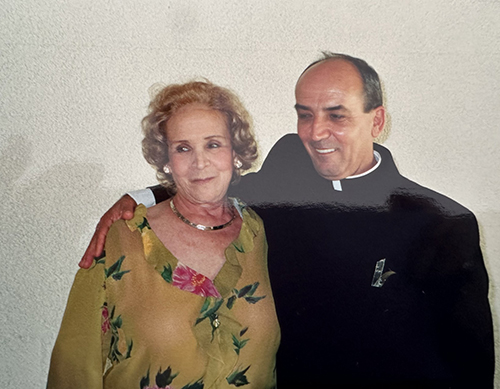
(143, 196)
(464, 310)
(77, 359)
(160, 193)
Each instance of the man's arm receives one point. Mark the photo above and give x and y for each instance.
(287, 156)
(470, 328)
(122, 209)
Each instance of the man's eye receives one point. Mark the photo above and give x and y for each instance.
(336, 116)
(304, 115)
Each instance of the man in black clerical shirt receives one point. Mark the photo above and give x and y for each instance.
(378, 281)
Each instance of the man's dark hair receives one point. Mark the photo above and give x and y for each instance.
(372, 90)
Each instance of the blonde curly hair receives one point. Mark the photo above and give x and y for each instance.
(169, 99)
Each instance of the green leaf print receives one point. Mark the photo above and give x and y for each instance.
(244, 291)
(114, 269)
(114, 353)
(144, 381)
(100, 258)
(253, 288)
(118, 276)
(210, 312)
(143, 225)
(230, 302)
(239, 344)
(238, 248)
(117, 323)
(238, 378)
(206, 312)
(164, 379)
(253, 300)
(247, 293)
(197, 385)
(205, 306)
(129, 349)
(167, 273)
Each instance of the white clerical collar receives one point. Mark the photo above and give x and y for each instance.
(338, 186)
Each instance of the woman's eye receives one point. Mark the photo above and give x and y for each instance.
(181, 149)
(213, 145)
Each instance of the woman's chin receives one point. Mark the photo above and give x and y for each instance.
(204, 197)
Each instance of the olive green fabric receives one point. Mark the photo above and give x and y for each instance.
(131, 322)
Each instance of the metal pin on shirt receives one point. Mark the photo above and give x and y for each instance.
(379, 277)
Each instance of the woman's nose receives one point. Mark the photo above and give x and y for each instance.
(201, 160)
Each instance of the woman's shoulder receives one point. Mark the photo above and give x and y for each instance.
(138, 221)
(252, 227)
(126, 232)
(246, 213)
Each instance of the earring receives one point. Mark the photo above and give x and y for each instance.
(237, 163)
(166, 169)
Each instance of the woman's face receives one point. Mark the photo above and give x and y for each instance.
(200, 153)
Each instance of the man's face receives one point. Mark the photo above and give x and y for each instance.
(332, 124)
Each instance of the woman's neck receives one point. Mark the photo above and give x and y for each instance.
(204, 213)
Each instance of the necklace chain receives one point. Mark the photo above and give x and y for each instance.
(200, 226)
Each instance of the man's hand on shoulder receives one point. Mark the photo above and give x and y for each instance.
(122, 209)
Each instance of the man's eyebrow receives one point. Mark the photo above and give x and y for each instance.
(306, 108)
(303, 107)
(335, 108)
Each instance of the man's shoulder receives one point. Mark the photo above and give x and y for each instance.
(287, 153)
(413, 194)
(284, 176)
(431, 199)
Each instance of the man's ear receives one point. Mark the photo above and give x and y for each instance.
(378, 121)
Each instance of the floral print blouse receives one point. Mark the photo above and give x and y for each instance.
(138, 318)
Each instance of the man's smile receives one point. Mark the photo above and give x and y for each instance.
(325, 151)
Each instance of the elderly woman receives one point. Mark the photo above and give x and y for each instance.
(181, 299)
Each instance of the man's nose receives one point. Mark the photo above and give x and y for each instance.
(320, 129)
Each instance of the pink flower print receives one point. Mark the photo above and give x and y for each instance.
(105, 315)
(189, 280)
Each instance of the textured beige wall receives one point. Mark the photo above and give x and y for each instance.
(73, 82)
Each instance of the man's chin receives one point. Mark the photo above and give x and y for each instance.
(327, 173)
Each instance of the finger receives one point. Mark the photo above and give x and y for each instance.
(128, 214)
(100, 235)
(88, 256)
